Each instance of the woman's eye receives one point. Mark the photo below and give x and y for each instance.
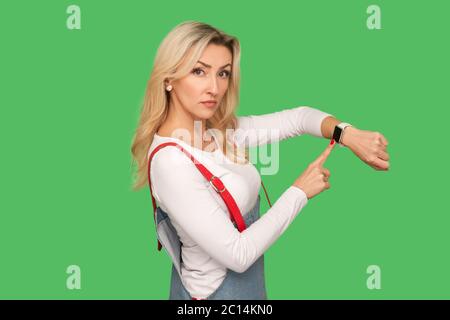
(196, 71)
(227, 74)
(223, 74)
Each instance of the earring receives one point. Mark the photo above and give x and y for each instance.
(169, 87)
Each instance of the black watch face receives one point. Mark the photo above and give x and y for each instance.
(337, 133)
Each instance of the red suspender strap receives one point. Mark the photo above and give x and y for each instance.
(265, 192)
(235, 214)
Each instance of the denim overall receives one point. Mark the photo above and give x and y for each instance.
(248, 285)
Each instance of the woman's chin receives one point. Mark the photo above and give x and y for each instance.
(205, 114)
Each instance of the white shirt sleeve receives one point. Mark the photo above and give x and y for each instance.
(185, 195)
(257, 130)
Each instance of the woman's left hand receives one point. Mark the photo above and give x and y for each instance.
(369, 146)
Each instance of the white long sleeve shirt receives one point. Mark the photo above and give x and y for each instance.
(210, 242)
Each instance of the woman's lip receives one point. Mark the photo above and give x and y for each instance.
(209, 104)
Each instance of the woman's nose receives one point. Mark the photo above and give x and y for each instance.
(213, 86)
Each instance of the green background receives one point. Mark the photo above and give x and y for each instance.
(69, 105)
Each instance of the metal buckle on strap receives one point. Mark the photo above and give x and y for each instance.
(215, 188)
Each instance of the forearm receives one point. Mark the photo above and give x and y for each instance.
(328, 125)
(272, 127)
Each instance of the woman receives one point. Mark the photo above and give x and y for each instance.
(204, 189)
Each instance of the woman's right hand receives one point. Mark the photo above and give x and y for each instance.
(314, 179)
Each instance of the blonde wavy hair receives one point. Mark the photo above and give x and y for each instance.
(175, 58)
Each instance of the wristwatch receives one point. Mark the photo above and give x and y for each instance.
(339, 132)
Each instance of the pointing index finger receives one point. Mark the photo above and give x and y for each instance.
(324, 155)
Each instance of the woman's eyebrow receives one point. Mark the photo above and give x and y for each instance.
(208, 66)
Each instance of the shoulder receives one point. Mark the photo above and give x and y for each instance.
(172, 165)
(169, 156)
(174, 175)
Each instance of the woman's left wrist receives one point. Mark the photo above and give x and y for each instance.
(347, 136)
